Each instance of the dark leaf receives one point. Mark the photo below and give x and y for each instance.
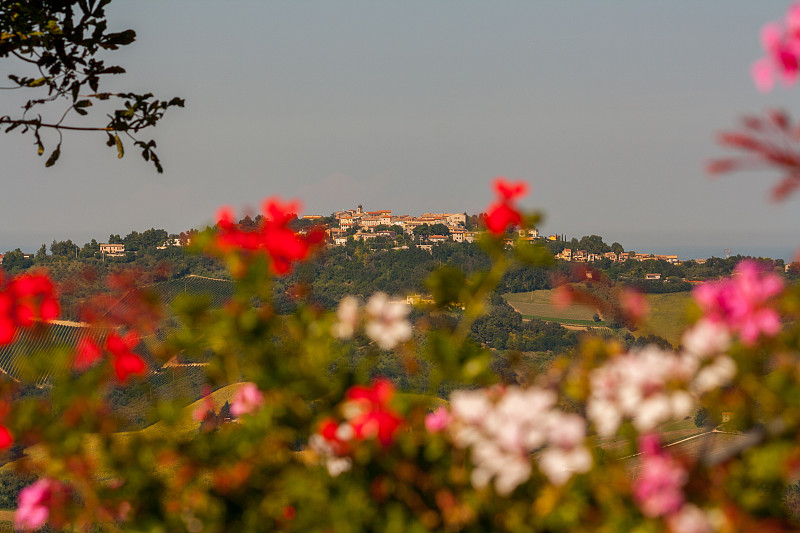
(53, 157)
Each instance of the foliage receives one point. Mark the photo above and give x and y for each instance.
(322, 440)
(58, 46)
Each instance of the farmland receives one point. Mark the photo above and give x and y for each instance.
(667, 312)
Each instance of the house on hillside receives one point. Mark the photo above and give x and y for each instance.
(112, 250)
(565, 254)
(652, 276)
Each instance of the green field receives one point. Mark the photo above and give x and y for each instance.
(666, 319)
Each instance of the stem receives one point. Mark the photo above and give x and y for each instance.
(3, 120)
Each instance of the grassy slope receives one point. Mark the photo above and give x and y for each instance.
(666, 312)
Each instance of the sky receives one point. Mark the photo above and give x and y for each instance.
(608, 109)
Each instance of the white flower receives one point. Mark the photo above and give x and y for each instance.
(566, 434)
(387, 324)
(559, 464)
(706, 338)
(503, 427)
(335, 465)
(690, 519)
(721, 370)
(640, 386)
(347, 315)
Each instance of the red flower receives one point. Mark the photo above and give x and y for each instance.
(272, 236)
(126, 363)
(373, 417)
(88, 353)
(6, 439)
(25, 300)
(503, 213)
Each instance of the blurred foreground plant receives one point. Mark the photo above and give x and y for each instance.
(297, 431)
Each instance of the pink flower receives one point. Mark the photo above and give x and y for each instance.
(34, 504)
(740, 302)
(437, 420)
(634, 304)
(205, 407)
(782, 46)
(247, 399)
(658, 489)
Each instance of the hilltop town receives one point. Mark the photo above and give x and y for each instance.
(430, 229)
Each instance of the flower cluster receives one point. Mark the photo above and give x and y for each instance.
(504, 426)
(367, 416)
(781, 42)
(646, 386)
(24, 300)
(126, 363)
(503, 213)
(387, 322)
(740, 303)
(272, 235)
(652, 386)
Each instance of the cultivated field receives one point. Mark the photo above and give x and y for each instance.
(667, 312)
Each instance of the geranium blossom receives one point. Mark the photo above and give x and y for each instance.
(126, 363)
(386, 321)
(272, 236)
(367, 416)
(247, 399)
(503, 213)
(658, 490)
(35, 502)
(368, 412)
(637, 386)
(24, 300)
(503, 427)
(740, 303)
(781, 42)
(347, 318)
(690, 519)
(437, 420)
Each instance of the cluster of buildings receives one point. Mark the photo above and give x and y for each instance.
(373, 224)
(582, 256)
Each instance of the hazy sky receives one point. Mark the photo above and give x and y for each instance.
(608, 109)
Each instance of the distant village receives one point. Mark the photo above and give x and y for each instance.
(373, 224)
(424, 232)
